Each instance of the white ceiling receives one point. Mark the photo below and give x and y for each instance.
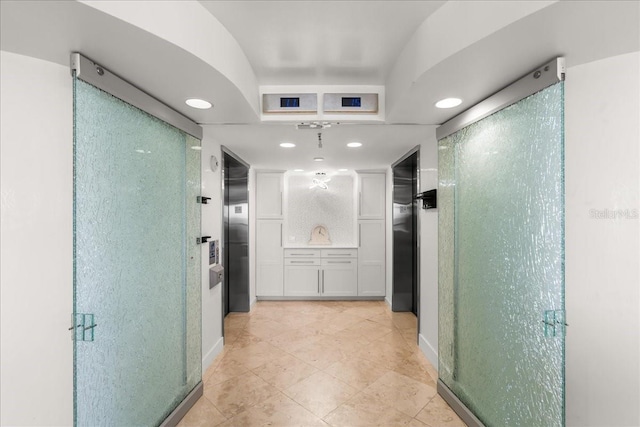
(316, 43)
(381, 145)
(358, 42)
(322, 42)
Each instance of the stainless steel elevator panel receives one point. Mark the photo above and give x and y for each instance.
(405, 213)
(236, 235)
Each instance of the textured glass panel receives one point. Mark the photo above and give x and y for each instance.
(136, 262)
(194, 272)
(333, 207)
(502, 263)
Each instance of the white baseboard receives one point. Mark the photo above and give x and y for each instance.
(252, 303)
(430, 353)
(388, 301)
(212, 354)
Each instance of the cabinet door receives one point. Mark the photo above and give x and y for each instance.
(269, 258)
(269, 280)
(301, 280)
(269, 187)
(371, 195)
(339, 277)
(371, 259)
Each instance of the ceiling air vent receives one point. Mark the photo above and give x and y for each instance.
(351, 103)
(306, 103)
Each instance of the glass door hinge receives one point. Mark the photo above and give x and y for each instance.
(203, 200)
(555, 324)
(82, 327)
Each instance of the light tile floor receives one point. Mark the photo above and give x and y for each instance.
(320, 363)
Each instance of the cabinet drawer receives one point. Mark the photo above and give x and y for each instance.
(337, 262)
(339, 253)
(301, 253)
(302, 261)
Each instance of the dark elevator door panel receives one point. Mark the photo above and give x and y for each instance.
(236, 235)
(405, 186)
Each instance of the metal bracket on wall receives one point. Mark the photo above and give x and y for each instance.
(203, 200)
(203, 239)
(429, 199)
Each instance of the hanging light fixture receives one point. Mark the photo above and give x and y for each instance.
(320, 181)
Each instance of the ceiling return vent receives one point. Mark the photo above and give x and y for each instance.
(279, 103)
(348, 103)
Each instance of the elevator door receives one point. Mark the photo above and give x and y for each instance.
(236, 235)
(405, 260)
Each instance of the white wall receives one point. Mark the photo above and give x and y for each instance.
(428, 338)
(602, 114)
(36, 252)
(212, 341)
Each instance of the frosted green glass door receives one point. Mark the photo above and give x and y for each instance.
(501, 293)
(137, 266)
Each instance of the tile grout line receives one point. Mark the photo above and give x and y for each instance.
(274, 352)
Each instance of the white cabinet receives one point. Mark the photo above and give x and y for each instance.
(269, 251)
(371, 234)
(371, 259)
(269, 258)
(302, 277)
(339, 277)
(371, 195)
(320, 272)
(269, 193)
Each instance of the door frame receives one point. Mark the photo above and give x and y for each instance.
(225, 150)
(415, 150)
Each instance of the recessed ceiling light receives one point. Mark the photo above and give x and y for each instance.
(287, 145)
(354, 144)
(342, 170)
(298, 170)
(198, 103)
(448, 103)
(318, 159)
(196, 147)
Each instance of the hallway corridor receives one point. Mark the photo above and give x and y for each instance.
(320, 363)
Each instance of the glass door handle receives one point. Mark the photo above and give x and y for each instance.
(554, 323)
